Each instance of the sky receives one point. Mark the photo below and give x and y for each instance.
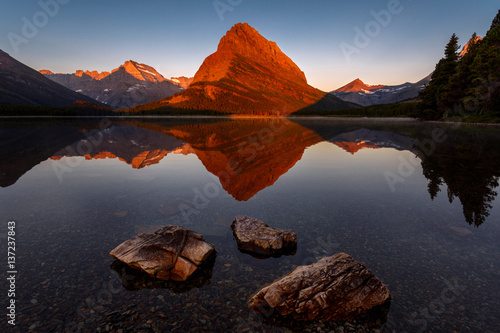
(334, 42)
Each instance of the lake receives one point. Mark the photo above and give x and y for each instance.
(414, 202)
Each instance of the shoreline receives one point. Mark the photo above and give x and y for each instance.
(378, 119)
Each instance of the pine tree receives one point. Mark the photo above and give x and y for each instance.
(435, 97)
(496, 21)
(460, 81)
(483, 91)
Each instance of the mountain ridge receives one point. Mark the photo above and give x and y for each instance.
(250, 75)
(358, 85)
(365, 95)
(23, 85)
(130, 84)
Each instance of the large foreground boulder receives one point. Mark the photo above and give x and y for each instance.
(255, 237)
(170, 253)
(134, 279)
(334, 288)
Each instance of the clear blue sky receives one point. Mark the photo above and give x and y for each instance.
(175, 36)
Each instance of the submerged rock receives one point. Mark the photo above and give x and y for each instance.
(134, 279)
(170, 253)
(455, 232)
(334, 288)
(256, 237)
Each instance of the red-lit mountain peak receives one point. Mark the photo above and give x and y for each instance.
(358, 85)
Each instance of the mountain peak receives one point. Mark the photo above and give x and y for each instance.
(248, 74)
(140, 71)
(244, 43)
(358, 85)
(467, 46)
(94, 74)
(45, 72)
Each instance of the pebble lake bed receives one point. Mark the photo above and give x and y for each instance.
(421, 214)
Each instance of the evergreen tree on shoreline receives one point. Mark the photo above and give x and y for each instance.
(435, 96)
(469, 84)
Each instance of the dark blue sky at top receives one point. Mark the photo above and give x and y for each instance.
(176, 36)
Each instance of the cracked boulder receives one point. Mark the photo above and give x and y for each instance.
(334, 288)
(170, 253)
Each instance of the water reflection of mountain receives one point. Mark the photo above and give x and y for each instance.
(247, 156)
(362, 138)
(250, 155)
(135, 146)
(23, 147)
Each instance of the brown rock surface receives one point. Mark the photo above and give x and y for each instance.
(171, 253)
(254, 236)
(334, 288)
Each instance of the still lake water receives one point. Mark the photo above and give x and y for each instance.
(416, 203)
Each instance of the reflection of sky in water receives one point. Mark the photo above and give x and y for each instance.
(334, 200)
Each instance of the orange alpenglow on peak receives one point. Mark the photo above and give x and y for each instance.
(467, 46)
(354, 147)
(140, 71)
(243, 40)
(358, 85)
(94, 74)
(45, 72)
(248, 75)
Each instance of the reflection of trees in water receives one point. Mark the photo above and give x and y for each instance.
(468, 163)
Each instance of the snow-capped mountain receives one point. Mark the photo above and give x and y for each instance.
(130, 84)
(362, 94)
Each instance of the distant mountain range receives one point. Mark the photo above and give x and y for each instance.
(360, 93)
(22, 85)
(129, 85)
(249, 75)
(366, 95)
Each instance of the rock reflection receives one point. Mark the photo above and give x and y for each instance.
(133, 279)
(374, 320)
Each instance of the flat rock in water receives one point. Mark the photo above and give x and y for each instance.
(456, 232)
(334, 288)
(134, 279)
(256, 237)
(170, 253)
